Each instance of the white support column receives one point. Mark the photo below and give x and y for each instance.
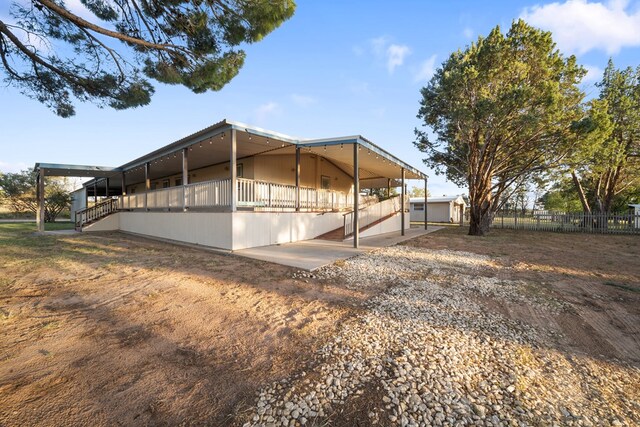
(426, 192)
(185, 177)
(123, 186)
(40, 195)
(106, 187)
(95, 191)
(402, 204)
(356, 197)
(147, 183)
(297, 179)
(233, 169)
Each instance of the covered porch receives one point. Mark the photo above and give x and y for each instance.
(232, 167)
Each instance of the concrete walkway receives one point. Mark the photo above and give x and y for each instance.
(312, 254)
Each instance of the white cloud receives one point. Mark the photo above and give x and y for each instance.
(468, 32)
(594, 74)
(579, 26)
(392, 54)
(395, 56)
(303, 100)
(264, 111)
(7, 167)
(427, 70)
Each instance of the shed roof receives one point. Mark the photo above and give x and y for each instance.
(444, 199)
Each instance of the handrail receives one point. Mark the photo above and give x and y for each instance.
(97, 211)
(366, 216)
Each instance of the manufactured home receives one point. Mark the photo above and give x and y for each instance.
(439, 209)
(234, 186)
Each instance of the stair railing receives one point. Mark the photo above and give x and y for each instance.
(95, 212)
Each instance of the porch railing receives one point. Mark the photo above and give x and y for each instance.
(372, 213)
(255, 193)
(251, 193)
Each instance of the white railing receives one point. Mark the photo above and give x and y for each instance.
(372, 213)
(251, 193)
(95, 212)
(254, 193)
(172, 197)
(208, 194)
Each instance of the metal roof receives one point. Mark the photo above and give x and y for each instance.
(210, 149)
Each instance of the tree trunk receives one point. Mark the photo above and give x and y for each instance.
(583, 198)
(480, 217)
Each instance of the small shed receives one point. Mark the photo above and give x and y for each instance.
(439, 209)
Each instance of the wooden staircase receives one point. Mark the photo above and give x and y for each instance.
(96, 212)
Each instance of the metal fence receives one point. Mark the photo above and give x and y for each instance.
(570, 222)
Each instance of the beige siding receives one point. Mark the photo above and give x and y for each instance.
(281, 169)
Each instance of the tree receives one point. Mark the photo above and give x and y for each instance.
(418, 192)
(18, 190)
(501, 110)
(54, 55)
(608, 165)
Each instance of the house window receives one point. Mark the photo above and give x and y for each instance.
(178, 182)
(166, 183)
(418, 206)
(325, 182)
(239, 170)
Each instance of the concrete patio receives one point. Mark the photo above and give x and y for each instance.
(312, 254)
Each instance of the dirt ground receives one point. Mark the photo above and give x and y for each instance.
(110, 329)
(597, 275)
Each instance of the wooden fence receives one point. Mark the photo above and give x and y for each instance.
(570, 222)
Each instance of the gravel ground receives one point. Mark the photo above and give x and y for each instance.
(426, 352)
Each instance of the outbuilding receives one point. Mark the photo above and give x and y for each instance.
(439, 209)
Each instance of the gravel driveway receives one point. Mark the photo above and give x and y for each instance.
(428, 351)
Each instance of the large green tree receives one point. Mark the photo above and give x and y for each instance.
(54, 54)
(501, 110)
(606, 167)
(18, 190)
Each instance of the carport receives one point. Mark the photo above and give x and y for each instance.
(111, 176)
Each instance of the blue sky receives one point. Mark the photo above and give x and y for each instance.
(335, 68)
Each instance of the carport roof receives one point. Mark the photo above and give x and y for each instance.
(55, 169)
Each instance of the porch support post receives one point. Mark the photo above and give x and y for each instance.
(123, 187)
(185, 177)
(234, 172)
(402, 203)
(95, 191)
(425, 203)
(86, 196)
(147, 183)
(106, 187)
(388, 188)
(297, 179)
(40, 196)
(356, 197)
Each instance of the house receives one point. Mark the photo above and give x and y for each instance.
(439, 209)
(234, 186)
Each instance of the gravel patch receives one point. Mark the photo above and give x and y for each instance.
(437, 357)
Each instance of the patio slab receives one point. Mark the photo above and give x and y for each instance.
(313, 254)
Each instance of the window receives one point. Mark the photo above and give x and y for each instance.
(165, 183)
(178, 182)
(239, 171)
(325, 182)
(418, 206)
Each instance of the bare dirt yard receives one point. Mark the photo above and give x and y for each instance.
(513, 329)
